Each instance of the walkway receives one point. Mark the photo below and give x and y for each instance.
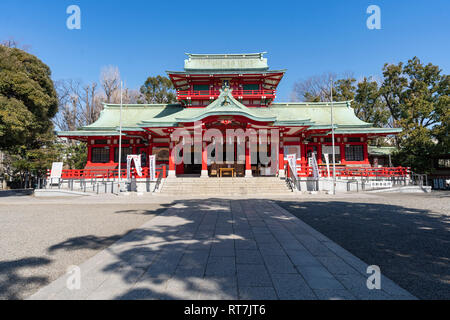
(223, 249)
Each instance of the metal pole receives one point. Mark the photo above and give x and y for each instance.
(120, 137)
(332, 139)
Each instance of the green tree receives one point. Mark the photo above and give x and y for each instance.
(28, 102)
(417, 97)
(76, 155)
(344, 89)
(158, 89)
(28, 99)
(369, 105)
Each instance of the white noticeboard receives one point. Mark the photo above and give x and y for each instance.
(327, 161)
(56, 171)
(152, 167)
(292, 161)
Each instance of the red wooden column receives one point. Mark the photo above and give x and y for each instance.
(204, 173)
(248, 161)
(111, 153)
(171, 161)
(342, 148)
(366, 153)
(89, 156)
(281, 172)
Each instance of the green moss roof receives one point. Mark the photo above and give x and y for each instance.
(381, 151)
(245, 61)
(315, 115)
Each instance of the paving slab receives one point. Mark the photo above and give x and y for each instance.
(224, 249)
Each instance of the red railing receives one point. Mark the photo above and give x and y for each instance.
(303, 170)
(108, 173)
(215, 93)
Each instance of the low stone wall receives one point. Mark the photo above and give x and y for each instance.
(103, 185)
(353, 184)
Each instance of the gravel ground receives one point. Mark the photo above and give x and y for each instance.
(40, 238)
(407, 235)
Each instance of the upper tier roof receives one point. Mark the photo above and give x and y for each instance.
(228, 62)
(315, 115)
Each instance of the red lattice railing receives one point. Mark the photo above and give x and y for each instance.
(303, 170)
(108, 173)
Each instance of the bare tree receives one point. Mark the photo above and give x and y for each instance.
(92, 102)
(313, 89)
(110, 81)
(78, 105)
(13, 43)
(68, 117)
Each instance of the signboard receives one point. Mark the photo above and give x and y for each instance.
(56, 171)
(137, 164)
(152, 167)
(380, 184)
(327, 161)
(315, 166)
(292, 161)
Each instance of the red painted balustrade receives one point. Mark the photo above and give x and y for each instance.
(303, 170)
(108, 173)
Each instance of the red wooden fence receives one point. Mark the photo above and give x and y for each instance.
(108, 173)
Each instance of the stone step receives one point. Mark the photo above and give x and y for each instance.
(225, 186)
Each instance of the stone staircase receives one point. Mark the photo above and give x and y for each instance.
(224, 186)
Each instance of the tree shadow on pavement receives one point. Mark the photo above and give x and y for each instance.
(411, 246)
(188, 254)
(189, 251)
(13, 276)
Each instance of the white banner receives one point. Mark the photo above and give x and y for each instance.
(327, 161)
(152, 167)
(137, 163)
(292, 162)
(315, 166)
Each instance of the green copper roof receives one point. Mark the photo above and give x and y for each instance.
(245, 61)
(319, 113)
(381, 151)
(88, 133)
(313, 115)
(226, 105)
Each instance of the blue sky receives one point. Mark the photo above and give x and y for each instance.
(148, 37)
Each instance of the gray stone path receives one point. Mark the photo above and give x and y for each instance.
(223, 249)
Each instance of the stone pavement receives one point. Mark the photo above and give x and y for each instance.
(223, 249)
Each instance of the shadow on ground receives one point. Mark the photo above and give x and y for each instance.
(411, 246)
(13, 279)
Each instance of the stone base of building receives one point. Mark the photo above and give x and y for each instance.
(248, 173)
(204, 174)
(171, 174)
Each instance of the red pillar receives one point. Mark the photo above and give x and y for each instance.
(281, 172)
(111, 153)
(171, 161)
(342, 148)
(248, 161)
(366, 153)
(89, 156)
(204, 173)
